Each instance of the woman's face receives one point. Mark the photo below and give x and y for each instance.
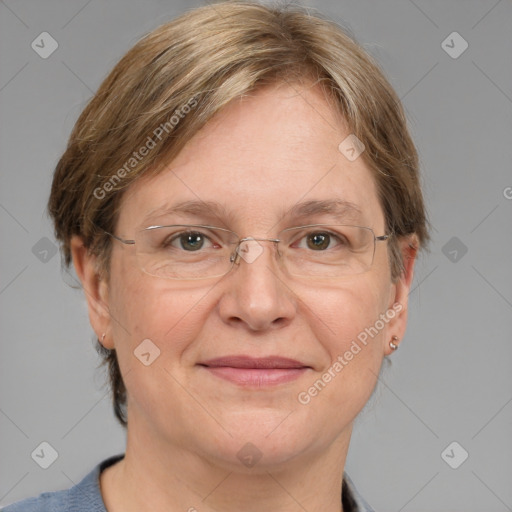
(257, 160)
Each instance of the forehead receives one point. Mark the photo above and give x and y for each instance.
(267, 156)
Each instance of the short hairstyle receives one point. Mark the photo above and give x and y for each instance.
(176, 78)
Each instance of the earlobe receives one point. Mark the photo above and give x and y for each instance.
(95, 289)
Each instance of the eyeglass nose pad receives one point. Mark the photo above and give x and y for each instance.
(249, 249)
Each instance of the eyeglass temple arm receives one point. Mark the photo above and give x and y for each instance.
(122, 240)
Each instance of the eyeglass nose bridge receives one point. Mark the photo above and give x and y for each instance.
(249, 255)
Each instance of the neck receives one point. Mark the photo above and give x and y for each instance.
(162, 476)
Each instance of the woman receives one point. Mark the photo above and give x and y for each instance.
(241, 203)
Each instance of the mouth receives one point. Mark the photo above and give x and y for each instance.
(255, 372)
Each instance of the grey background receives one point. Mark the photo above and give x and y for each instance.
(451, 378)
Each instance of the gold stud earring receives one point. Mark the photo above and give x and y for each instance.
(393, 343)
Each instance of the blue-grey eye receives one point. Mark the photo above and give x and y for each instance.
(191, 241)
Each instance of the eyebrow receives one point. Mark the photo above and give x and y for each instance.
(339, 209)
(196, 208)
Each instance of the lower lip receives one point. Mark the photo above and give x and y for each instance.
(256, 377)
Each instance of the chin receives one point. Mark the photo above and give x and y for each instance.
(262, 440)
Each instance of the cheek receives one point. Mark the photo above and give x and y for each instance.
(154, 309)
(349, 325)
(344, 310)
(171, 318)
(146, 308)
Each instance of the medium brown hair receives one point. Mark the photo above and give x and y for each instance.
(180, 75)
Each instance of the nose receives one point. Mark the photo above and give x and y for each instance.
(255, 294)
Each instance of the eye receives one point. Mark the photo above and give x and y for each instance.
(320, 241)
(188, 241)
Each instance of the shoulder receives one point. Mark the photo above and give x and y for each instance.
(47, 501)
(82, 497)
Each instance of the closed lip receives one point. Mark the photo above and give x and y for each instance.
(248, 362)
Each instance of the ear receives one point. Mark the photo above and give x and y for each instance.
(399, 297)
(95, 289)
